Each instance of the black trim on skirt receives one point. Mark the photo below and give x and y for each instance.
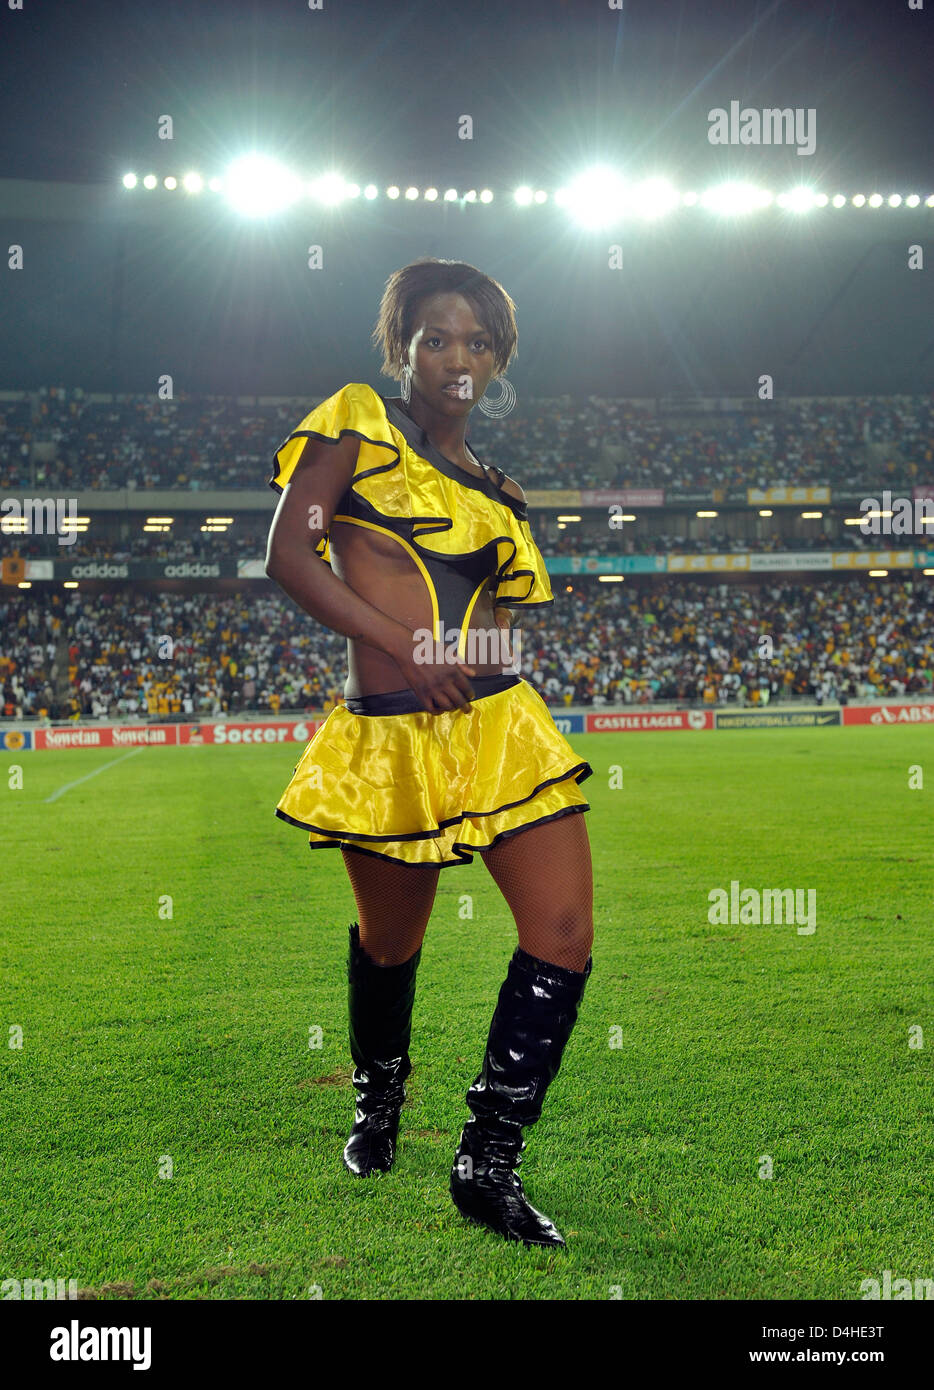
(407, 702)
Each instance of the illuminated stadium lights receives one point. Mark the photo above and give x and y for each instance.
(595, 199)
(628, 516)
(486, 195)
(878, 574)
(258, 186)
(858, 199)
(160, 529)
(707, 513)
(797, 200)
(928, 572)
(912, 200)
(77, 523)
(470, 196)
(689, 199)
(215, 528)
(370, 192)
(541, 196)
(523, 196)
(219, 520)
(821, 200)
(876, 200)
(24, 584)
(895, 200)
(610, 578)
(159, 520)
(411, 193)
(450, 195)
(838, 200)
(129, 180)
(170, 182)
(654, 198)
(569, 517)
(767, 512)
(392, 191)
(150, 181)
(330, 189)
(811, 516)
(431, 195)
(929, 201)
(215, 185)
(735, 199)
(193, 183)
(70, 584)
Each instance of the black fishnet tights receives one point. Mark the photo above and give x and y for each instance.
(544, 873)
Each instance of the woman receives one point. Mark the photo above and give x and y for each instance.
(393, 533)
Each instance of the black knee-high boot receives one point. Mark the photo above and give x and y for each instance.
(380, 1000)
(534, 1017)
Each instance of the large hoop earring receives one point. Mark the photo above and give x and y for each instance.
(405, 388)
(502, 407)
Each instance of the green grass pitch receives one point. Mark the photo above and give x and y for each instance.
(701, 1053)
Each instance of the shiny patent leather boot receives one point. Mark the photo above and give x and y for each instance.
(534, 1017)
(380, 1000)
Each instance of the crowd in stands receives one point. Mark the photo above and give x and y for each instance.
(204, 443)
(138, 654)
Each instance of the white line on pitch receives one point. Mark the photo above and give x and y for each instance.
(113, 763)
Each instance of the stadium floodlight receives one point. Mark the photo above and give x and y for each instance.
(568, 517)
(258, 186)
(150, 181)
(523, 196)
(70, 584)
(927, 572)
(708, 513)
(215, 185)
(878, 574)
(610, 578)
(330, 189)
(392, 191)
(193, 183)
(159, 520)
(597, 198)
(838, 200)
(876, 200)
(912, 200)
(411, 193)
(470, 196)
(486, 195)
(371, 191)
(689, 199)
(654, 198)
(811, 516)
(24, 584)
(895, 201)
(450, 195)
(766, 512)
(541, 196)
(170, 182)
(431, 195)
(735, 199)
(858, 200)
(129, 180)
(219, 520)
(929, 201)
(821, 200)
(799, 199)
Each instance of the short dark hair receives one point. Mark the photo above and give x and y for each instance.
(428, 276)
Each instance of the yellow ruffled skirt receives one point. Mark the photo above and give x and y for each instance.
(430, 789)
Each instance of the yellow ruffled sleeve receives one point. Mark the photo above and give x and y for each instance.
(354, 409)
(522, 579)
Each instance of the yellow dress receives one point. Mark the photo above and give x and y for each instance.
(382, 774)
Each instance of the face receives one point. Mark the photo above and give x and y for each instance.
(449, 348)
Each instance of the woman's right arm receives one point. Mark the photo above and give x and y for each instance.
(303, 516)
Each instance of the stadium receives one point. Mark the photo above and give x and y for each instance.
(724, 436)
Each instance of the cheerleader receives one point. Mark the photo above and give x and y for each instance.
(391, 531)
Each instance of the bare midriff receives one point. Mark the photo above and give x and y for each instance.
(378, 569)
